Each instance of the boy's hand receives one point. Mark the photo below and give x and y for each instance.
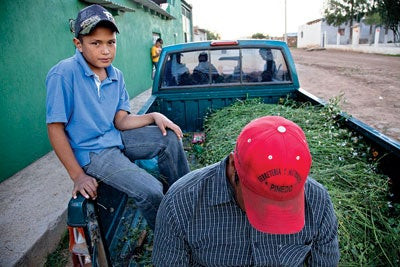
(86, 185)
(163, 123)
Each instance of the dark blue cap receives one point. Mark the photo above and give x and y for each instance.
(90, 16)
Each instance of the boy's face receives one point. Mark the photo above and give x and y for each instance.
(98, 48)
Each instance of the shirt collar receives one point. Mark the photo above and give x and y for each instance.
(220, 191)
(88, 71)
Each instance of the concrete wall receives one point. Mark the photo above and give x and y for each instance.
(345, 38)
(199, 35)
(309, 35)
(320, 33)
(386, 37)
(384, 49)
(364, 33)
(35, 36)
(317, 32)
(187, 21)
(331, 33)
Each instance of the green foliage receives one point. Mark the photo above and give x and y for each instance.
(59, 257)
(389, 11)
(259, 35)
(212, 35)
(376, 12)
(369, 229)
(338, 12)
(373, 19)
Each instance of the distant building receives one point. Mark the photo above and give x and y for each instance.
(319, 33)
(292, 39)
(187, 21)
(199, 34)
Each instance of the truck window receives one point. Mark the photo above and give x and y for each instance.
(187, 68)
(224, 66)
(227, 62)
(263, 65)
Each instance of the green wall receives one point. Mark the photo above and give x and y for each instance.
(35, 36)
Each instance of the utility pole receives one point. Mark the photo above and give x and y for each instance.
(285, 24)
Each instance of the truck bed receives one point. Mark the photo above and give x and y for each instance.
(187, 102)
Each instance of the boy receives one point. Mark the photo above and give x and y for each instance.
(156, 51)
(89, 124)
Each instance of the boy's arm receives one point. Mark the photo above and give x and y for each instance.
(83, 183)
(124, 121)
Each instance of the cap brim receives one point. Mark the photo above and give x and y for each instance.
(89, 29)
(105, 22)
(272, 216)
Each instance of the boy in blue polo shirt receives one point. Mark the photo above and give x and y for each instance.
(90, 126)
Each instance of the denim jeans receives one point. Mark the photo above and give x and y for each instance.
(116, 168)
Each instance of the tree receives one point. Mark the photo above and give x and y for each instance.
(389, 11)
(338, 12)
(372, 19)
(259, 35)
(212, 35)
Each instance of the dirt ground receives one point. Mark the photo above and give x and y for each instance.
(370, 84)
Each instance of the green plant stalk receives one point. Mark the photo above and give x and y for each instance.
(342, 162)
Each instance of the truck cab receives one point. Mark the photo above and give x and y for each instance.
(194, 78)
(191, 80)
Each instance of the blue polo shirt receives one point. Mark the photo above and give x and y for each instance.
(88, 113)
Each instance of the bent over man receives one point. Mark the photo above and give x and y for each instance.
(257, 207)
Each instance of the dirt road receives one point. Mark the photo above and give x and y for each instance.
(370, 84)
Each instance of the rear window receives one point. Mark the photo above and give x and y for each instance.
(225, 66)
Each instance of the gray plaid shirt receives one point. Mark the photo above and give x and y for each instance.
(200, 224)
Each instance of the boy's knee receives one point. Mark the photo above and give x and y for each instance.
(153, 198)
(172, 138)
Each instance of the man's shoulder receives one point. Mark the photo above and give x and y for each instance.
(193, 182)
(316, 193)
(314, 185)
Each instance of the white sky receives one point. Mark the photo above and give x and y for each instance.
(238, 19)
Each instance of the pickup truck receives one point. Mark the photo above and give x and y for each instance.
(192, 79)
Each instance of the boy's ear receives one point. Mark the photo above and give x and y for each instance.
(78, 44)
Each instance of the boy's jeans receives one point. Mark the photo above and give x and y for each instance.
(116, 168)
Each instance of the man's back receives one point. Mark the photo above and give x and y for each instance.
(206, 227)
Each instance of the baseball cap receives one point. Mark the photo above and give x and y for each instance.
(273, 160)
(90, 16)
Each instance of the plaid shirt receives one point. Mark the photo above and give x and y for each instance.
(200, 224)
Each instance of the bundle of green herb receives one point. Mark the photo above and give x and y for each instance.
(369, 224)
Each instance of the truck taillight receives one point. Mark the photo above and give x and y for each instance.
(224, 43)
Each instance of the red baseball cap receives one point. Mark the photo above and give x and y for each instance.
(273, 160)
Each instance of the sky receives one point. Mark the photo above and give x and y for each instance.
(237, 19)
